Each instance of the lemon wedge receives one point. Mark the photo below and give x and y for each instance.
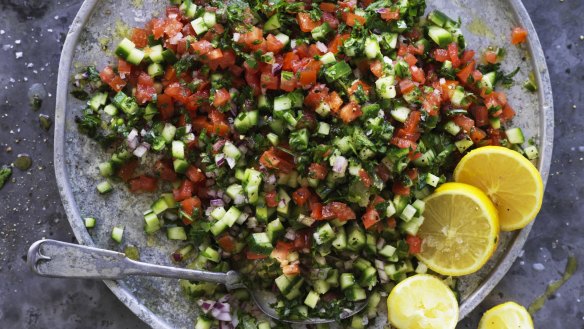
(510, 180)
(422, 301)
(460, 230)
(508, 315)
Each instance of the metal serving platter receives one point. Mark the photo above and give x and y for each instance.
(159, 302)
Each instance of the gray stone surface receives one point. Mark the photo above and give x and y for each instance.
(30, 207)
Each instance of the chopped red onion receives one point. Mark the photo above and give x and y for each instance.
(225, 324)
(340, 164)
(211, 193)
(210, 174)
(293, 43)
(276, 68)
(233, 109)
(271, 179)
(380, 243)
(379, 264)
(357, 73)
(218, 146)
(322, 47)
(188, 128)
(133, 143)
(235, 320)
(231, 162)
(239, 199)
(219, 159)
(217, 203)
(225, 197)
(282, 203)
(140, 150)
(236, 36)
(290, 234)
(174, 40)
(209, 182)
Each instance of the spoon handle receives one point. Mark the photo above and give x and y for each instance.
(66, 260)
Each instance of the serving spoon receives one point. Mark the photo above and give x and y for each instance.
(58, 259)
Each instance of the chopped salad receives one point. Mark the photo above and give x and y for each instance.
(294, 142)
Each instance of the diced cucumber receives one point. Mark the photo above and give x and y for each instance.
(389, 40)
(337, 71)
(210, 19)
(408, 213)
(231, 216)
(452, 128)
(439, 35)
(176, 233)
(458, 96)
(199, 26)
(264, 325)
(386, 87)
(355, 293)
(321, 286)
(245, 121)
(282, 103)
(357, 322)
(323, 109)
(412, 226)
(324, 234)
(372, 49)
(136, 56)
(180, 166)
(368, 277)
(89, 222)
(390, 210)
(97, 101)
(273, 23)
(124, 48)
(118, 234)
(328, 58)
(104, 187)
(211, 254)
(151, 222)
(531, 152)
(320, 32)
(273, 138)
(463, 144)
(495, 122)
(106, 169)
(400, 113)
(284, 204)
(203, 322)
(488, 81)
(311, 299)
(275, 229)
(189, 9)
(260, 243)
(372, 304)
(347, 280)
(323, 128)
(110, 110)
(355, 238)
(439, 18)
(340, 241)
(178, 149)
(515, 135)
(155, 70)
(387, 251)
(432, 179)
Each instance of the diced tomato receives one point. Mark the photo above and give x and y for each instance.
(117, 83)
(139, 37)
(289, 85)
(313, 51)
(291, 269)
(301, 195)
(358, 84)
(201, 47)
(289, 59)
(178, 92)
(271, 199)
(316, 96)
(463, 122)
(165, 106)
(339, 210)
(143, 183)
(418, 74)
(316, 211)
(281, 254)
(415, 244)
(221, 98)
(124, 68)
(370, 218)
(317, 171)
(383, 172)
(466, 72)
(402, 143)
(253, 256)
(388, 14)
(335, 101)
(184, 191)
(481, 115)
(440, 55)
(518, 35)
(157, 28)
(274, 45)
(337, 42)
(448, 89)
(400, 189)
(412, 122)
(227, 60)
(188, 206)
(365, 178)
(467, 56)
(406, 86)
(226, 242)
(145, 90)
(126, 171)
(410, 59)
(269, 81)
(477, 75)
(491, 57)
(302, 240)
(165, 170)
(328, 7)
(195, 174)
(306, 23)
(431, 103)
(453, 54)
(350, 112)
(508, 113)
(169, 76)
(307, 78)
(172, 27)
(376, 68)
(352, 19)
(391, 223)
(276, 159)
(477, 134)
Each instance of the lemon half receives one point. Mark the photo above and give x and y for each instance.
(510, 180)
(422, 301)
(508, 315)
(460, 230)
